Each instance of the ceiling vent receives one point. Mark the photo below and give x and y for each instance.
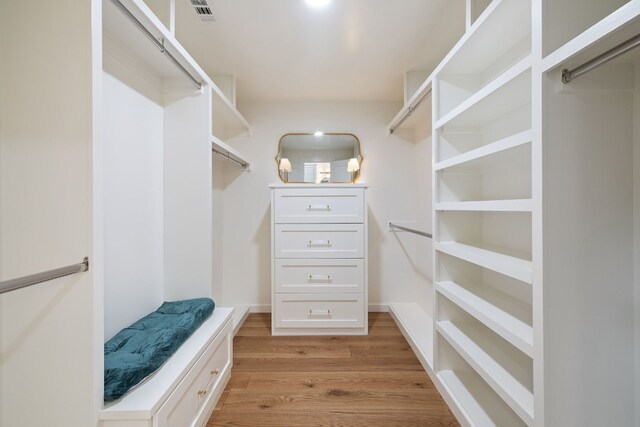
(203, 10)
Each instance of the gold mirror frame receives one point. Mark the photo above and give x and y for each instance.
(277, 157)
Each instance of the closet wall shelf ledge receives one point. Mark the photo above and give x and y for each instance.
(484, 94)
(501, 380)
(515, 205)
(486, 150)
(411, 106)
(417, 327)
(226, 151)
(512, 266)
(495, 310)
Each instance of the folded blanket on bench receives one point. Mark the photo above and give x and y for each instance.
(139, 350)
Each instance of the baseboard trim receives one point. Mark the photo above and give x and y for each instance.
(378, 308)
(260, 308)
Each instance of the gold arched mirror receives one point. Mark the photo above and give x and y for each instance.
(319, 158)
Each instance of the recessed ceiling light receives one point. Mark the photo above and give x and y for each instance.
(317, 3)
(318, 132)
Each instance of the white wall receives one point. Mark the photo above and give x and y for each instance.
(636, 232)
(48, 355)
(133, 157)
(188, 250)
(389, 167)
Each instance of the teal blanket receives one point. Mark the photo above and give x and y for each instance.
(137, 351)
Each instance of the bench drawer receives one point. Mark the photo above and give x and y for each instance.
(319, 276)
(319, 240)
(185, 406)
(319, 311)
(304, 206)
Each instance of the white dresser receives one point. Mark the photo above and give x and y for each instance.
(319, 259)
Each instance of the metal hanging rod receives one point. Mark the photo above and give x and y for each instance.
(410, 230)
(226, 156)
(410, 111)
(34, 279)
(159, 43)
(611, 54)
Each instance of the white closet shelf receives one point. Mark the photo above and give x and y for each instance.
(227, 121)
(614, 29)
(409, 107)
(510, 263)
(471, 344)
(479, 403)
(486, 41)
(515, 205)
(220, 146)
(505, 93)
(486, 150)
(497, 310)
(417, 327)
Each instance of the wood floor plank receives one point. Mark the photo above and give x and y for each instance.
(409, 380)
(331, 399)
(341, 381)
(334, 364)
(262, 418)
(292, 351)
(381, 351)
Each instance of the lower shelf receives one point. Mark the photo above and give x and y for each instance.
(417, 327)
(480, 405)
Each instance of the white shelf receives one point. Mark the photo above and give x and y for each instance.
(614, 29)
(477, 401)
(516, 205)
(417, 327)
(227, 121)
(504, 94)
(410, 122)
(494, 365)
(226, 149)
(509, 263)
(486, 150)
(500, 312)
(496, 31)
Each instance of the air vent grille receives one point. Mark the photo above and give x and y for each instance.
(203, 10)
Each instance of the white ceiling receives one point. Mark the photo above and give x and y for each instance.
(349, 50)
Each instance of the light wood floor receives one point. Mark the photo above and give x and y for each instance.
(368, 381)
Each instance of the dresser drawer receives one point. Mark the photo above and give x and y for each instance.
(319, 311)
(328, 206)
(316, 276)
(185, 405)
(319, 241)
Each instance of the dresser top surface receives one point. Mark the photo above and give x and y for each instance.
(283, 185)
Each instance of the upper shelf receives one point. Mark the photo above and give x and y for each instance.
(406, 117)
(614, 29)
(124, 36)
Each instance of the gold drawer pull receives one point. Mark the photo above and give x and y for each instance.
(202, 393)
(215, 372)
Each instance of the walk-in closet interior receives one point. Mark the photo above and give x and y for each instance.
(319, 212)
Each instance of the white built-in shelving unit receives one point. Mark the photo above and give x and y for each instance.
(482, 208)
(536, 213)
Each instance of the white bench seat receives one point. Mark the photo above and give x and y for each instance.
(184, 391)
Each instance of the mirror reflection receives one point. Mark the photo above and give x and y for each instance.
(319, 158)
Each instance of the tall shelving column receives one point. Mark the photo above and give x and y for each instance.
(482, 216)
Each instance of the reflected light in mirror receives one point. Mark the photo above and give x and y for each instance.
(318, 133)
(353, 165)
